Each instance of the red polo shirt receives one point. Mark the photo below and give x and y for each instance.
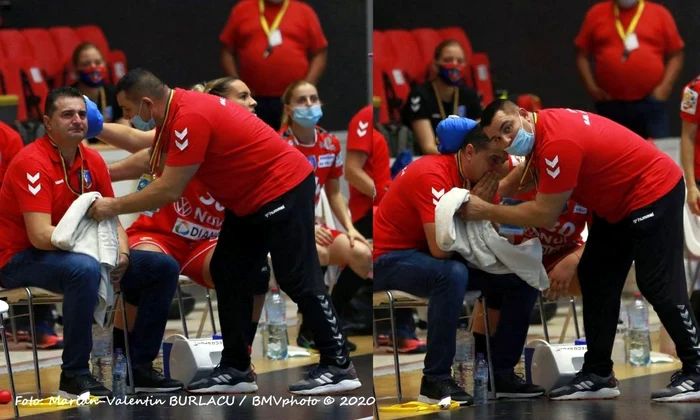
(362, 137)
(643, 70)
(691, 113)
(301, 36)
(35, 182)
(244, 163)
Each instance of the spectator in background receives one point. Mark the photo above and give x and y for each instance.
(89, 64)
(10, 145)
(423, 111)
(690, 155)
(302, 108)
(270, 44)
(638, 54)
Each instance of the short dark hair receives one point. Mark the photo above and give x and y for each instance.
(498, 105)
(82, 47)
(56, 94)
(444, 44)
(477, 138)
(139, 82)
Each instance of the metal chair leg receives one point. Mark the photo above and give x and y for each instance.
(9, 367)
(211, 311)
(182, 311)
(131, 388)
(488, 348)
(32, 327)
(376, 405)
(543, 318)
(13, 324)
(395, 346)
(573, 308)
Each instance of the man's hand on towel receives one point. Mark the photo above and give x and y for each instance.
(474, 209)
(487, 186)
(103, 209)
(119, 271)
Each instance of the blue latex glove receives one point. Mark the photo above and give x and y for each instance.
(95, 120)
(451, 133)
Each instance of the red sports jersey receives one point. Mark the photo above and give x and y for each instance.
(10, 145)
(35, 182)
(244, 163)
(324, 155)
(410, 203)
(690, 113)
(362, 137)
(611, 170)
(196, 216)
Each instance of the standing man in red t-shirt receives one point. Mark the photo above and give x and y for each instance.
(262, 37)
(690, 133)
(267, 189)
(637, 195)
(638, 55)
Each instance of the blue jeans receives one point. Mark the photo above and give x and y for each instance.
(647, 117)
(444, 282)
(149, 283)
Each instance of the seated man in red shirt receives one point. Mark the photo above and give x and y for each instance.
(42, 182)
(637, 195)
(408, 258)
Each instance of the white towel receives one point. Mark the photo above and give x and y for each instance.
(76, 232)
(480, 244)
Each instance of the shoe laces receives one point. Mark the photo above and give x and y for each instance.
(88, 381)
(511, 375)
(451, 386)
(678, 378)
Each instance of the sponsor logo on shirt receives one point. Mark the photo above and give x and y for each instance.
(689, 105)
(183, 207)
(193, 231)
(580, 210)
(312, 161)
(339, 160)
(184, 141)
(362, 128)
(326, 161)
(328, 144)
(643, 218)
(33, 186)
(415, 103)
(553, 168)
(437, 195)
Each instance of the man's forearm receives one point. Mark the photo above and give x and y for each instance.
(228, 62)
(317, 66)
(123, 241)
(688, 159)
(673, 69)
(154, 196)
(528, 214)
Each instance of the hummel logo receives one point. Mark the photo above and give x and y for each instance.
(181, 135)
(554, 172)
(362, 130)
(182, 145)
(33, 178)
(552, 163)
(415, 104)
(34, 190)
(437, 195)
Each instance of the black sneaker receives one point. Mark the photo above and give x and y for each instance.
(512, 385)
(432, 392)
(226, 380)
(71, 388)
(325, 380)
(683, 387)
(149, 379)
(305, 340)
(587, 386)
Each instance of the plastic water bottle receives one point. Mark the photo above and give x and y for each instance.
(481, 380)
(463, 365)
(101, 355)
(119, 377)
(639, 340)
(276, 340)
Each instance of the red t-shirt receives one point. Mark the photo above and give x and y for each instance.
(301, 36)
(10, 145)
(35, 182)
(244, 163)
(410, 203)
(643, 70)
(690, 113)
(324, 155)
(362, 137)
(611, 170)
(196, 216)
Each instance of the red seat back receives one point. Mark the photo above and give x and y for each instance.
(25, 79)
(14, 45)
(482, 77)
(66, 41)
(11, 79)
(117, 65)
(406, 50)
(94, 35)
(45, 52)
(427, 40)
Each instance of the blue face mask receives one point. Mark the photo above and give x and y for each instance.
(523, 142)
(140, 124)
(307, 116)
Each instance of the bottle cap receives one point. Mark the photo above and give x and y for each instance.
(274, 290)
(637, 295)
